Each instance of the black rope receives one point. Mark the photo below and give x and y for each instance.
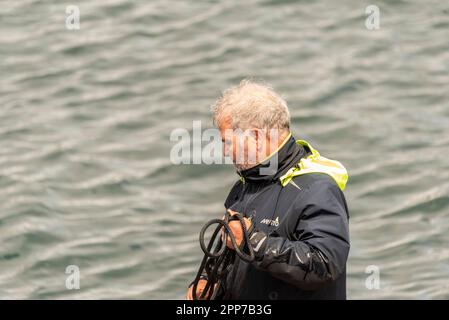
(217, 263)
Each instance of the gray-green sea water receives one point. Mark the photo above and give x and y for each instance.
(86, 117)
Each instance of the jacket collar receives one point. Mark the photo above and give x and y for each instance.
(287, 156)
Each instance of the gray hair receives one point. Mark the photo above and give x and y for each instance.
(252, 105)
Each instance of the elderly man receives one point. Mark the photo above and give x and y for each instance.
(289, 194)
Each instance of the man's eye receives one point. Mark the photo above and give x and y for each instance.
(227, 144)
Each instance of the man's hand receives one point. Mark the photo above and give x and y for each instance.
(237, 230)
(199, 289)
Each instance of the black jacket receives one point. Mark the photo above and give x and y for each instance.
(301, 235)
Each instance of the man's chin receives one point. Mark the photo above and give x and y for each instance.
(243, 167)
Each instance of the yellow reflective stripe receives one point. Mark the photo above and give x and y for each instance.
(315, 153)
(315, 163)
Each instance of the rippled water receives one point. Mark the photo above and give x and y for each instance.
(86, 117)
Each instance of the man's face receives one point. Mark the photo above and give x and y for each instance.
(243, 147)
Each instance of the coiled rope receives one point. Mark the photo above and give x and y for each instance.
(217, 262)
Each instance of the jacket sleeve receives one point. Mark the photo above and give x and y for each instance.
(316, 253)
